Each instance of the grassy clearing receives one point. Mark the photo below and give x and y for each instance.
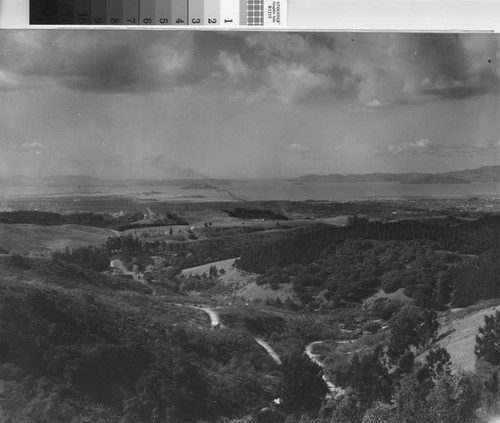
(199, 270)
(252, 291)
(22, 238)
(396, 295)
(459, 328)
(242, 284)
(233, 282)
(335, 221)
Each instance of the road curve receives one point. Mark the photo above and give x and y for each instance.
(214, 316)
(118, 264)
(215, 322)
(269, 350)
(335, 391)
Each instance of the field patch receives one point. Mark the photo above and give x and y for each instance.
(459, 328)
(232, 282)
(205, 268)
(397, 295)
(27, 238)
(253, 291)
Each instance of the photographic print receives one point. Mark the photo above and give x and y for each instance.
(243, 227)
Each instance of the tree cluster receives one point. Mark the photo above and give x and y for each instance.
(93, 258)
(248, 214)
(426, 258)
(303, 248)
(488, 339)
(80, 218)
(411, 327)
(69, 354)
(475, 279)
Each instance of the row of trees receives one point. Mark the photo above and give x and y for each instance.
(121, 222)
(426, 258)
(90, 257)
(82, 218)
(303, 248)
(242, 213)
(352, 270)
(476, 278)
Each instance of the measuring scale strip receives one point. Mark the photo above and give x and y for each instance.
(224, 13)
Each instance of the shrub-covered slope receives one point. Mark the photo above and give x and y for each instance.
(77, 346)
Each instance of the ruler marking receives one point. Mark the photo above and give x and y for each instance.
(211, 12)
(147, 12)
(98, 12)
(179, 12)
(43, 12)
(196, 12)
(130, 14)
(114, 12)
(65, 12)
(163, 12)
(227, 13)
(82, 12)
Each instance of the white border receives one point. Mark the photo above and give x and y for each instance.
(337, 15)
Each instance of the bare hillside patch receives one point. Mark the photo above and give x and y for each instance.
(459, 328)
(21, 238)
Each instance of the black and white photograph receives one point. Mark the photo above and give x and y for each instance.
(249, 226)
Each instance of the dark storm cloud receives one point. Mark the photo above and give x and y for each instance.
(371, 69)
(112, 61)
(444, 65)
(375, 69)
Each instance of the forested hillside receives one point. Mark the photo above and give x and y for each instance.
(76, 346)
(431, 259)
(121, 222)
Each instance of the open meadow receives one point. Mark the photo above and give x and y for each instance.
(24, 238)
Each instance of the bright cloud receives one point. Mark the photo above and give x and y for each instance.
(423, 146)
(232, 66)
(298, 148)
(37, 145)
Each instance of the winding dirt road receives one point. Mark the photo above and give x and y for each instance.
(269, 350)
(118, 264)
(335, 391)
(215, 322)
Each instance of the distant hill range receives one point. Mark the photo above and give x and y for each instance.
(437, 179)
(481, 174)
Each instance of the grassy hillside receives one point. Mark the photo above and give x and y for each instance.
(458, 331)
(21, 238)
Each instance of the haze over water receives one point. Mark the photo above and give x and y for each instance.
(345, 191)
(268, 190)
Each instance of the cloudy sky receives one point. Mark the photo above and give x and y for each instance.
(169, 104)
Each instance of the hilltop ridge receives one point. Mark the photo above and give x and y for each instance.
(481, 174)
